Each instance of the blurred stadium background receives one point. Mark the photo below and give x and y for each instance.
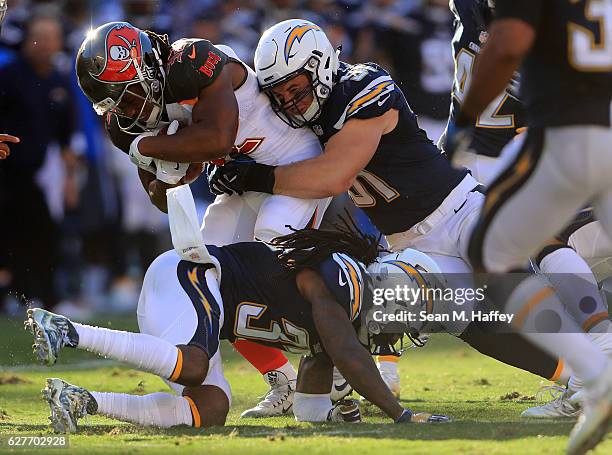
(77, 229)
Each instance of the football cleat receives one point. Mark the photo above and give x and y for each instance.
(51, 333)
(340, 387)
(390, 375)
(278, 401)
(68, 403)
(345, 411)
(564, 403)
(596, 417)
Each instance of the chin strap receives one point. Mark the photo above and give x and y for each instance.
(185, 230)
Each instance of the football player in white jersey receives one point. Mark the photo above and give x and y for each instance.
(141, 82)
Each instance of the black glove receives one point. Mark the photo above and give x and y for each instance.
(216, 180)
(240, 175)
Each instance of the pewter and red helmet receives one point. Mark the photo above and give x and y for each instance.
(119, 66)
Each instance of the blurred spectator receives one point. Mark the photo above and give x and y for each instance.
(35, 105)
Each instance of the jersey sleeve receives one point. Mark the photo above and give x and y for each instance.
(193, 65)
(344, 278)
(368, 92)
(525, 10)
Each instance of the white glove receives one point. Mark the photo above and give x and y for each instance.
(143, 162)
(170, 171)
(185, 229)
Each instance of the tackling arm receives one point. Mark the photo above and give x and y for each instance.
(333, 172)
(341, 344)
(214, 127)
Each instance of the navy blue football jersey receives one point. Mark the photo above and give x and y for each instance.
(262, 304)
(498, 123)
(567, 74)
(408, 177)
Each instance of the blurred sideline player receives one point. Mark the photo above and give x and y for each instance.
(375, 149)
(243, 293)
(493, 131)
(564, 162)
(141, 82)
(5, 150)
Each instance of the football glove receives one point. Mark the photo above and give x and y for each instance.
(143, 162)
(345, 411)
(422, 417)
(239, 175)
(458, 135)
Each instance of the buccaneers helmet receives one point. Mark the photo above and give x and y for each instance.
(120, 70)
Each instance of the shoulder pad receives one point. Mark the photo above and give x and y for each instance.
(192, 65)
(343, 276)
(364, 91)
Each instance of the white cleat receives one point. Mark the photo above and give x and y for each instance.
(68, 403)
(595, 420)
(278, 401)
(340, 387)
(565, 403)
(390, 375)
(51, 333)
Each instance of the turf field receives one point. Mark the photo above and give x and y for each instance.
(446, 376)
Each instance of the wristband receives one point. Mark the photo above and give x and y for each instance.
(260, 177)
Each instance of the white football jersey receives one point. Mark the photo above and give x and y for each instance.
(261, 134)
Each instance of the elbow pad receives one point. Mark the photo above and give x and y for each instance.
(310, 407)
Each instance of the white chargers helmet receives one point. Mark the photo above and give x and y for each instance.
(291, 48)
(412, 271)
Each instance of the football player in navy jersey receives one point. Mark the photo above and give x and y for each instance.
(374, 148)
(564, 162)
(493, 131)
(244, 294)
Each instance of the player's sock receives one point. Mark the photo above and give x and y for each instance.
(264, 358)
(145, 352)
(577, 288)
(156, 409)
(563, 373)
(542, 319)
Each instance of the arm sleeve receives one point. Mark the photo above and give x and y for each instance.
(525, 10)
(119, 138)
(198, 65)
(344, 278)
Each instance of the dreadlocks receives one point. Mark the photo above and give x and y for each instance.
(306, 248)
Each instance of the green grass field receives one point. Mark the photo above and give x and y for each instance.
(446, 377)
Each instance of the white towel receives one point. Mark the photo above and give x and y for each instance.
(185, 228)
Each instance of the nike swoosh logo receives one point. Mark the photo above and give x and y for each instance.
(341, 282)
(193, 53)
(382, 101)
(177, 167)
(461, 206)
(341, 387)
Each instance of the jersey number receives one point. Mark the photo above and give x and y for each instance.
(290, 336)
(584, 52)
(490, 116)
(362, 197)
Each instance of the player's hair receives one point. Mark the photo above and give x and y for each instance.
(162, 42)
(306, 248)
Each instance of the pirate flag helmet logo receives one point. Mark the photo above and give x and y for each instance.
(119, 69)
